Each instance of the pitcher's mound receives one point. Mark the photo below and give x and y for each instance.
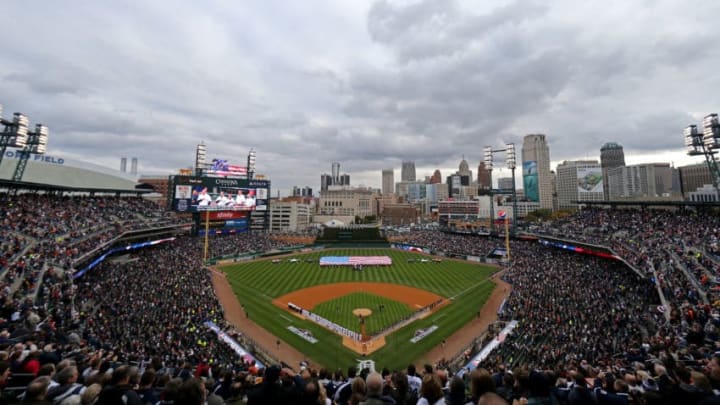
(364, 312)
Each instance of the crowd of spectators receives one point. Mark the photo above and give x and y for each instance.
(590, 330)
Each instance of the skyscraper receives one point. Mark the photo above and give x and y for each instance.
(464, 169)
(325, 181)
(407, 173)
(436, 177)
(388, 181)
(335, 172)
(334, 179)
(611, 156)
(483, 179)
(537, 180)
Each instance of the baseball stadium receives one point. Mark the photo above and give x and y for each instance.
(100, 277)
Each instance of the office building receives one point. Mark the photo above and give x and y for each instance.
(302, 192)
(407, 171)
(436, 177)
(388, 181)
(694, 177)
(537, 179)
(483, 178)
(334, 179)
(289, 216)
(643, 180)
(611, 156)
(578, 180)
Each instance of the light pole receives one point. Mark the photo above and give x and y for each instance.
(488, 153)
(706, 143)
(510, 160)
(251, 164)
(511, 163)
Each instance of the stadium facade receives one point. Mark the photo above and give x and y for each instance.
(63, 172)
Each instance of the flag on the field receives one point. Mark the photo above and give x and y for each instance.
(355, 260)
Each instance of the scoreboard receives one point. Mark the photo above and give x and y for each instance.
(199, 194)
(228, 205)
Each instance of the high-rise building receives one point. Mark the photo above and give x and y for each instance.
(334, 179)
(123, 164)
(644, 180)
(407, 172)
(694, 177)
(483, 179)
(578, 180)
(464, 169)
(325, 181)
(611, 156)
(335, 173)
(388, 181)
(134, 166)
(302, 192)
(537, 180)
(436, 177)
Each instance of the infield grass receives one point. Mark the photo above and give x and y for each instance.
(257, 283)
(340, 311)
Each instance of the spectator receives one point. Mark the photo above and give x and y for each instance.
(36, 391)
(374, 386)
(431, 391)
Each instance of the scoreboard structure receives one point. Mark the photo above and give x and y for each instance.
(221, 204)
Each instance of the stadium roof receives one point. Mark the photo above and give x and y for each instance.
(23, 185)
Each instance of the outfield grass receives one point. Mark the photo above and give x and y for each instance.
(339, 310)
(257, 283)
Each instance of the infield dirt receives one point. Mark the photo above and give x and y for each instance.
(309, 297)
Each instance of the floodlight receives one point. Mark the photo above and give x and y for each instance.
(711, 131)
(510, 155)
(20, 122)
(42, 132)
(693, 140)
(200, 155)
(487, 152)
(251, 161)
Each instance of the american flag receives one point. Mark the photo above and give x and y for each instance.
(355, 260)
(220, 167)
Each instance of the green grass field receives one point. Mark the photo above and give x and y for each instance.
(257, 283)
(339, 310)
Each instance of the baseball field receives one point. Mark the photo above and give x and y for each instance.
(391, 294)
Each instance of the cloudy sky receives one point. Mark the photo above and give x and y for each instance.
(366, 83)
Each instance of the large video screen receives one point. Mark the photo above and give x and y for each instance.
(201, 194)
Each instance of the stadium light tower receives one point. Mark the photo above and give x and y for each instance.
(36, 144)
(200, 158)
(488, 159)
(511, 164)
(251, 164)
(706, 143)
(14, 133)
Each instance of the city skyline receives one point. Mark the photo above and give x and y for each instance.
(369, 84)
